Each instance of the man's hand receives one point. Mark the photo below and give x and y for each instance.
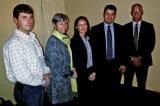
(136, 60)
(122, 68)
(46, 79)
(92, 76)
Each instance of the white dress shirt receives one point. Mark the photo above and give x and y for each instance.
(24, 60)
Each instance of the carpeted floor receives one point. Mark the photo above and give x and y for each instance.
(135, 92)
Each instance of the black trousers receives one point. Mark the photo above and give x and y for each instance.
(86, 88)
(141, 76)
(108, 78)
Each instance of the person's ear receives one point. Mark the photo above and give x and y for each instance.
(15, 20)
(54, 26)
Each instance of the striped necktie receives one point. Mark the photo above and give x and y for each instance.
(136, 36)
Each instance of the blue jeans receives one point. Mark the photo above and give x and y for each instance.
(26, 95)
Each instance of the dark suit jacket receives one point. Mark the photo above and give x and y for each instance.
(146, 41)
(79, 56)
(99, 45)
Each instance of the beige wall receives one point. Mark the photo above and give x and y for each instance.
(93, 10)
(6, 28)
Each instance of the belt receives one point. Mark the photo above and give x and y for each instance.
(111, 61)
(20, 86)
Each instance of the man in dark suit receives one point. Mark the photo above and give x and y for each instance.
(140, 37)
(108, 53)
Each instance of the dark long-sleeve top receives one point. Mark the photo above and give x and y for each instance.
(79, 52)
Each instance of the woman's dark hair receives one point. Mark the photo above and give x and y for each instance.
(76, 32)
(22, 8)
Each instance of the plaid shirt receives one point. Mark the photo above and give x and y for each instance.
(24, 60)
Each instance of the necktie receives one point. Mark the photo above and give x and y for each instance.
(109, 44)
(136, 35)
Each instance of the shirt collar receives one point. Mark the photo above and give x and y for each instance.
(85, 38)
(24, 36)
(139, 22)
(106, 25)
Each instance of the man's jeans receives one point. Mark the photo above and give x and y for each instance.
(26, 95)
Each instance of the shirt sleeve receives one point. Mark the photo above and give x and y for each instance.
(7, 65)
